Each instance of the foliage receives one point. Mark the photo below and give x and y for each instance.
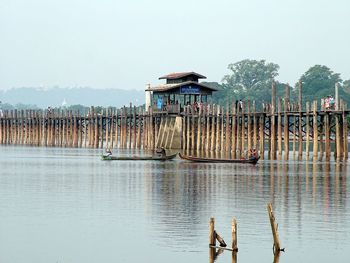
(248, 80)
(318, 82)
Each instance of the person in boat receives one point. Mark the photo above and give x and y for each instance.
(108, 152)
(161, 152)
(253, 154)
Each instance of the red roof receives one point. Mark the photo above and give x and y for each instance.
(181, 75)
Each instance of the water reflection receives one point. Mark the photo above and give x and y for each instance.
(214, 253)
(167, 205)
(309, 198)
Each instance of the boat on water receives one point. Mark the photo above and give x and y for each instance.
(138, 158)
(160, 155)
(252, 160)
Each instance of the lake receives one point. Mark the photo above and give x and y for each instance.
(66, 205)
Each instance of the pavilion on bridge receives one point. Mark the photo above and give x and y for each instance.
(180, 89)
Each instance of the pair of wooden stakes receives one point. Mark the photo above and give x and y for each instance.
(213, 235)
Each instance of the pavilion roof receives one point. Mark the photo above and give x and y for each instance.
(179, 75)
(168, 87)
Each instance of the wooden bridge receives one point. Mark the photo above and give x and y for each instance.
(230, 130)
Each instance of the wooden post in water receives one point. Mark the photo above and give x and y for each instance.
(345, 133)
(273, 123)
(227, 131)
(234, 235)
(300, 118)
(255, 128)
(321, 136)
(188, 134)
(207, 145)
(199, 129)
(307, 124)
(213, 122)
(286, 127)
(262, 137)
(233, 130)
(276, 241)
(294, 135)
(212, 236)
(243, 130)
(192, 131)
(279, 129)
(337, 154)
(315, 131)
(218, 122)
(327, 136)
(249, 131)
(238, 132)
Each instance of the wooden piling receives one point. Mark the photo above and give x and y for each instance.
(274, 228)
(234, 235)
(212, 237)
(307, 133)
(233, 130)
(315, 131)
(279, 129)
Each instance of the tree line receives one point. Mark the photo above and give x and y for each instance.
(252, 80)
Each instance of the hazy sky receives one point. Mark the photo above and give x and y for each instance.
(127, 44)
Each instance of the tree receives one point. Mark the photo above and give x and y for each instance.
(318, 82)
(250, 80)
(346, 86)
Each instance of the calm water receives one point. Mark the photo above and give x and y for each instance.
(65, 205)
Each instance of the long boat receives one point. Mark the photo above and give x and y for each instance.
(138, 158)
(215, 160)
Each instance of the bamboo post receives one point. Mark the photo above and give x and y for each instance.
(274, 228)
(234, 234)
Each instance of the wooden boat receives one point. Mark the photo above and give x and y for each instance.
(214, 160)
(138, 158)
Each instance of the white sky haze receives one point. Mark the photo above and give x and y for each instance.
(127, 44)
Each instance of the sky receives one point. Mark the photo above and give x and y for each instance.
(128, 44)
